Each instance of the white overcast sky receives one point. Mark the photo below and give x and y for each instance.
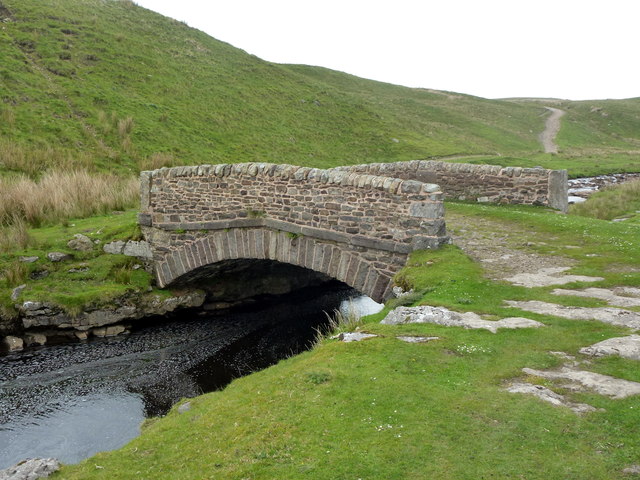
(573, 49)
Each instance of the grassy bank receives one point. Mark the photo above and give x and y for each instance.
(384, 409)
(88, 278)
(620, 201)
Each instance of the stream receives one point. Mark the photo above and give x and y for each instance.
(71, 401)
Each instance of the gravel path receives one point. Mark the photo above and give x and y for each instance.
(551, 129)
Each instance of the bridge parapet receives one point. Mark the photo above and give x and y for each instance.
(373, 220)
(482, 183)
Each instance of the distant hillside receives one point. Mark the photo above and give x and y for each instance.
(112, 86)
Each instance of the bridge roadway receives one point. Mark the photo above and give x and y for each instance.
(356, 228)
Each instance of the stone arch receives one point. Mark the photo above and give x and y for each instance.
(356, 228)
(344, 264)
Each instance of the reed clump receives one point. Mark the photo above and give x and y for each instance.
(60, 195)
(15, 274)
(156, 160)
(14, 235)
(32, 161)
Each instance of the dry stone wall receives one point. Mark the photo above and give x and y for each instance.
(358, 228)
(482, 183)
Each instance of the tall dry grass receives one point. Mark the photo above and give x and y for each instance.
(156, 160)
(611, 202)
(125, 126)
(33, 161)
(61, 195)
(15, 274)
(14, 235)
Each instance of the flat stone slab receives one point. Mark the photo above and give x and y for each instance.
(632, 470)
(417, 339)
(611, 315)
(618, 296)
(582, 380)
(28, 259)
(448, 318)
(626, 347)
(31, 469)
(355, 336)
(547, 395)
(549, 276)
(58, 256)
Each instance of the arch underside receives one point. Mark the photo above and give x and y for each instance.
(368, 271)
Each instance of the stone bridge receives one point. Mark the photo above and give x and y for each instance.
(354, 227)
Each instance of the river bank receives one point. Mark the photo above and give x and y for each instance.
(74, 400)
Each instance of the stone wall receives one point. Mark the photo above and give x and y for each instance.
(354, 227)
(482, 183)
(344, 206)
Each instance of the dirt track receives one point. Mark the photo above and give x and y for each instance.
(551, 129)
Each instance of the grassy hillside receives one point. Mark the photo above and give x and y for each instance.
(108, 85)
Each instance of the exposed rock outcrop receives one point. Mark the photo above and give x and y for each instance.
(81, 242)
(448, 318)
(38, 314)
(38, 320)
(31, 469)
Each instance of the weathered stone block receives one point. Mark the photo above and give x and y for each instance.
(426, 209)
(114, 247)
(12, 344)
(59, 256)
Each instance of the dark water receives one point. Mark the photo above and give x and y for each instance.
(72, 401)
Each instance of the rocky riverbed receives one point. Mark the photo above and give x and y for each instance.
(73, 400)
(581, 188)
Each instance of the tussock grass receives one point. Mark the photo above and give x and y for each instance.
(59, 196)
(338, 322)
(7, 116)
(15, 274)
(125, 126)
(15, 235)
(344, 321)
(156, 160)
(32, 161)
(611, 202)
(122, 271)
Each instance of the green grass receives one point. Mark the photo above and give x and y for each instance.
(386, 409)
(620, 201)
(107, 277)
(110, 86)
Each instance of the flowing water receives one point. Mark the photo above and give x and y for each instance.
(72, 401)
